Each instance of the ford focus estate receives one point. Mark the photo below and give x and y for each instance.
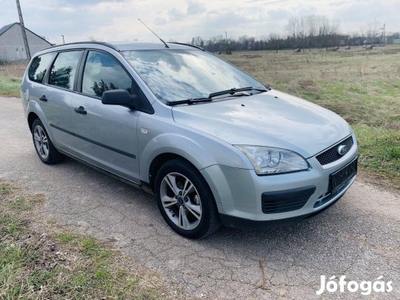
(213, 145)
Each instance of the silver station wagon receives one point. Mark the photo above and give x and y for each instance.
(213, 145)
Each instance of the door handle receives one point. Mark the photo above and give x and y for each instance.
(80, 110)
(43, 98)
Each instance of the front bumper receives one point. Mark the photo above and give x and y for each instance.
(246, 200)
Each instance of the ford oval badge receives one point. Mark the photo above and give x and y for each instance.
(342, 150)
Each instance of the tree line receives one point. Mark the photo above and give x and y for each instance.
(311, 31)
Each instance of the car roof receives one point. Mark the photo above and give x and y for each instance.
(123, 46)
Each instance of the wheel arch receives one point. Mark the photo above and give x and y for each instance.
(158, 161)
(198, 150)
(33, 112)
(31, 118)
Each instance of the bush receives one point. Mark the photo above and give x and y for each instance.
(4, 61)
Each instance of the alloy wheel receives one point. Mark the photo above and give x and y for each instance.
(41, 142)
(181, 201)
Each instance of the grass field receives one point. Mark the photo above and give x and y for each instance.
(362, 86)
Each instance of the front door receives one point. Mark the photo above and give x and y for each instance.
(105, 135)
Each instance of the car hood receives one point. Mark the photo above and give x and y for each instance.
(272, 119)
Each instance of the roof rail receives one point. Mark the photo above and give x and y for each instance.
(90, 42)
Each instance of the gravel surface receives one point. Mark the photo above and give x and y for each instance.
(359, 237)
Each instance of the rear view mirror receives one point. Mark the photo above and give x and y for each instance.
(119, 97)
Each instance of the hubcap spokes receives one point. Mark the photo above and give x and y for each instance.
(41, 142)
(181, 201)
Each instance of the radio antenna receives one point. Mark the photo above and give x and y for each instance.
(166, 46)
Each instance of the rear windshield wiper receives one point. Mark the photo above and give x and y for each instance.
(233, 91)
(189, 101)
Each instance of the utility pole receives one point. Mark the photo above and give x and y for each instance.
(226, 42)
(24, 37)
(383, 38)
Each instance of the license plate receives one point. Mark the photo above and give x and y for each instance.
(338, 179)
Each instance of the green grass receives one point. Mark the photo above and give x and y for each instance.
(66, 237)
(380, 150)
(9, 86)
(58, 264)
(361, 86)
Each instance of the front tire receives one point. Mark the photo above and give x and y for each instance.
(185, 200)
(43, 145)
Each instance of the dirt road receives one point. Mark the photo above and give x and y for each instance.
(359, 237)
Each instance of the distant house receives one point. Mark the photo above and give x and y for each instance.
(12, 46)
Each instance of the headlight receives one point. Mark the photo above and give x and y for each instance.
(268, 160)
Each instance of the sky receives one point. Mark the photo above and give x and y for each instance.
(181, 20)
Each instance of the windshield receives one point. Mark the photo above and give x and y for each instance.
(175, 75)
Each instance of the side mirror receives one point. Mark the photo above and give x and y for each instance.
(119, 97)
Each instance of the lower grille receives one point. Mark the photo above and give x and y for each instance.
(284, 201)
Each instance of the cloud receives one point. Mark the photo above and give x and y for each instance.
(278, 14)
(195, 8)
(183, 19)
(173, 14)
(78, 3)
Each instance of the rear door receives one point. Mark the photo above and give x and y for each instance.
(58, 96)
(105, 135)
(52, 91)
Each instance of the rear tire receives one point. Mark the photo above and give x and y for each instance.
(43, 145)
(185, 200)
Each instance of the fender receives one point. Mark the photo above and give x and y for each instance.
(198, 150)
(34, 108)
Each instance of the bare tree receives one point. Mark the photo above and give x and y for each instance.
(197, 41)
(372, 29)
(275, 41)
(312, 30)
(291, 27)
(302, 31)
(297, 29)
(312, 27)
(328, 31)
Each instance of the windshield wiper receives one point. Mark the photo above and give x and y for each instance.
(189, 101)
(232, 91)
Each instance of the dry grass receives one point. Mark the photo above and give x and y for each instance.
(12, 70)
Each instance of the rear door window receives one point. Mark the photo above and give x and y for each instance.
(39, 66)
(63, 71)
(102, 73)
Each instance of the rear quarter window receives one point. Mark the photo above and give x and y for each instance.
(62, 73)
(39, 66)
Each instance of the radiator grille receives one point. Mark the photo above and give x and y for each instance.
(332, 154)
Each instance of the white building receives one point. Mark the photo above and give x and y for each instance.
(12, 46)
